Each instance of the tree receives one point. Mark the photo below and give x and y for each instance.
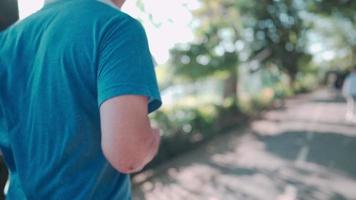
(344, 12)
(278, 29)
(214, 50)
(344, 8)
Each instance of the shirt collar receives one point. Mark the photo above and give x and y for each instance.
(53, 1)
(108, 2)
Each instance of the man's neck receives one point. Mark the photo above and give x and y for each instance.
(110, 3)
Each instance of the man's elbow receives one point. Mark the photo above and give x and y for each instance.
(127, 168)
(124, 162)
(127, 159)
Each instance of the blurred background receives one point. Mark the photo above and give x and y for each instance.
(252, 97)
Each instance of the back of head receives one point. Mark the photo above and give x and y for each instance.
(8, 14)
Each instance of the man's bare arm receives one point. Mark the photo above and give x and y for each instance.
(128, 141)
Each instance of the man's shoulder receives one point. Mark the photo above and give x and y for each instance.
(97, 9)
(80, 15)
(81, 9)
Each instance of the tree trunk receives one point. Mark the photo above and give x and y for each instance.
(230, 85)
(292, 81)
(353, 58)
(292, 75)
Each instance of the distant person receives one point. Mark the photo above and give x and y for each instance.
(349, 91)
(331, 80)
(340, 78)
(77, 82)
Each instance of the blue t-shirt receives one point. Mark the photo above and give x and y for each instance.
(56, 68)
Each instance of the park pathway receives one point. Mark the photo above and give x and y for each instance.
(303, 151)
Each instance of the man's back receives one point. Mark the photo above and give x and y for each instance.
(55, 73)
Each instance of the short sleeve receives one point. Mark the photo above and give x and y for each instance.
(125, 64)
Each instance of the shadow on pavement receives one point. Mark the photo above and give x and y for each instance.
(327, 149)
(305, 152)
(262, 168)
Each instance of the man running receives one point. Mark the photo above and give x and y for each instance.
(349, 91)
(76, 85)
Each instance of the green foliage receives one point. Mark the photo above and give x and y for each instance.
(199, 61)
(306, 82)
(344, 8)
(279, 30)
(343, 16)
(183, 128)
(214, 51)
(253, 105)
(185, 120)
(273, 28)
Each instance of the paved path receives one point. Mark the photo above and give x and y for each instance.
(305, 151)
